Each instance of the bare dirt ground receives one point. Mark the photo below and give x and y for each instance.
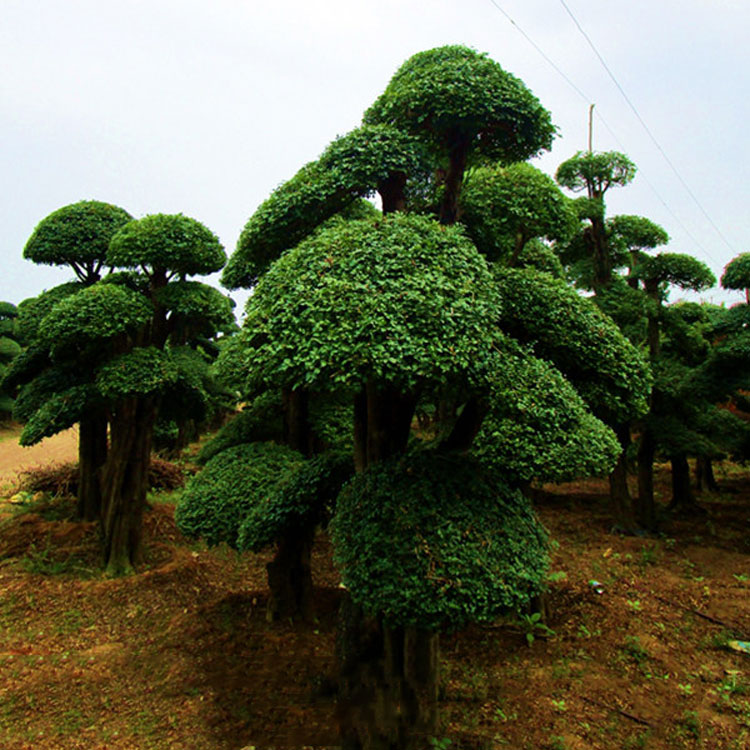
(15, 458)
(179, 656)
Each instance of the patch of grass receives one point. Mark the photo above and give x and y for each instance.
(635, 650)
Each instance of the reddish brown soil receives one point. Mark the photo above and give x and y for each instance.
(180, 655)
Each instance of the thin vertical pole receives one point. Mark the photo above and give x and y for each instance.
(591, 128)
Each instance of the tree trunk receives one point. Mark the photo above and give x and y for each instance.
(392, 192)
(125, 484)
(646, 507)
(704, 474)
(683, 499)
(458, 154)
(92, 455)
(389, 416)
(619, 495)
(467, 425)
(388, 683)
(297, 432)
(290, 577)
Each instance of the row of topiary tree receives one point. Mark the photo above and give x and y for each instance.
(406, 371)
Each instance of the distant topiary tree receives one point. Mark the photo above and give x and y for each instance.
(75, 236)
(9, 350)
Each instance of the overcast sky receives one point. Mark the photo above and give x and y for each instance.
(203, 107)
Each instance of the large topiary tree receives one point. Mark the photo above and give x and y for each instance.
(398, 312)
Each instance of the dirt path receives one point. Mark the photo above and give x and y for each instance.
(15, 458)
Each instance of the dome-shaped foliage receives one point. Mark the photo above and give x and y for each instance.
(353, 165)
(143, 371)
(259, 421)
(583, 343)
(39, 389)
(454, 93)
(596, 171)
(215, 502)
(76, 234)
(8, 349)
(502, 206)
(32, 310)
(431, 541)
(57, 413)
(199, 305)
(401, 301)
(631, 233)
(94, 314)
(541, 257)
(737, 273)
(172, 242)
(299, 500)
(538, 427)
(678, 269)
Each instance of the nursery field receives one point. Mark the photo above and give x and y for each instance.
(180, 655)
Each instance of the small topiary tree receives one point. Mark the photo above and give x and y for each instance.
(9, 350)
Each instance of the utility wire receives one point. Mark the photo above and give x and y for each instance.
(645, 127)
(588, 100)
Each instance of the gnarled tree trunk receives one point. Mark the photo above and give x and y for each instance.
(125, 484)
(704, 474)
(646, 506)
(92, 456)
(621, 503)
(388, 683)
(683, 499)
(290, 577)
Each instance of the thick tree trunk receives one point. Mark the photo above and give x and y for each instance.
(467, 425)
(459, 152)
(92, 455)
(389, 414)
(646, 507)
(683, 499)
(297, 432)
(388, 683)
(619, 495)
(704, 474)
(125, 484)
(392, 193)
(290, 577)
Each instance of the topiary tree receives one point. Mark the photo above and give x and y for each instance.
(465, 108)
(9, 350)
(596, 172)
(503, 208)
(657, 274)
(399, 311)
(75, 236)
(737, 274)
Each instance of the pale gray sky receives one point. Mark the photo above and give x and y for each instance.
(203, 107)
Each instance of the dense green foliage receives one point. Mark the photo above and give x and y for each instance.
(452, 94)
(300, 499)
(561, 326)
(77, 235)
(402, 300)
(259, 421)
(503, 208)
(142, 371)
(9, 350)
(737, 273)
(677, 269)
(172, 243)
(353, 165)
(92, 316)
(595, 171)
(216, 501)
(538, 427)
(473, 551)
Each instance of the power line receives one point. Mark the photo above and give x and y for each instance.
(645, 127)
(599, 116)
